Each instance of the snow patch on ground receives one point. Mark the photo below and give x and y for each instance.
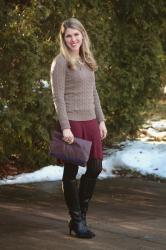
(146, 155)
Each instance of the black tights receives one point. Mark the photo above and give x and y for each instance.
(94, 168)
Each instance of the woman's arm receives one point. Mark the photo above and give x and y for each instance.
(57, 75)
(99, 114)
(98, 109)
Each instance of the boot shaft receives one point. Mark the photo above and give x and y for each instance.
(70, 190)
(86, 190)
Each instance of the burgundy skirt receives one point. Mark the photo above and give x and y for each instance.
(88, 130)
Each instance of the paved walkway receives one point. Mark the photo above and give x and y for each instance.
(128, 214)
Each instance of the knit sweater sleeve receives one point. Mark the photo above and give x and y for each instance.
(57, 75)
(98, 109)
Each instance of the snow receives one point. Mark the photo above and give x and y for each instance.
(159, 125)
(44, 83)
(154, 133)
(145, 155)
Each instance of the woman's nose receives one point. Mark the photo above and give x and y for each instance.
(73, 39)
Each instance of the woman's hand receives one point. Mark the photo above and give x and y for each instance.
(68, 136)
(103, 130)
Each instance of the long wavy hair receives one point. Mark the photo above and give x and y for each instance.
(85, 49)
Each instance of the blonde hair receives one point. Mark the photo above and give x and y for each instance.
(85, 49)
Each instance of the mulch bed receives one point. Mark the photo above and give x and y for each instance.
(9, 169)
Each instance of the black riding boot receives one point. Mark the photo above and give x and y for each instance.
(72, 200)
(87, 185)
(86, 190)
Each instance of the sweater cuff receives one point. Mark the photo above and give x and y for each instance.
(100, 117)
(64, 125)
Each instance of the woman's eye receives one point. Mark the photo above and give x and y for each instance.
(69, 36)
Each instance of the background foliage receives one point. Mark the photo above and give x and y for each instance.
(128, 41)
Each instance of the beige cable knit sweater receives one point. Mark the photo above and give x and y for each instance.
(74, 93)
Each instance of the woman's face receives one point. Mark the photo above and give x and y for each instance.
(73, 39)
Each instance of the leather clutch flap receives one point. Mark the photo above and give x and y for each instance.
(77, 153)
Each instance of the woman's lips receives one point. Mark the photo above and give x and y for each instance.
(73, 44)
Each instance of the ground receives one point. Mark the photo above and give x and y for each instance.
(125, 213)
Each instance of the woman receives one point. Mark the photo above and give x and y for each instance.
(80, 115)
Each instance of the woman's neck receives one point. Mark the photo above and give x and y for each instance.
(75, 54)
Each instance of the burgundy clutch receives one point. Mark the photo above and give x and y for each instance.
(77, 153)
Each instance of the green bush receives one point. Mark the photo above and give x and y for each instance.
(26, 110)
(128, 43)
